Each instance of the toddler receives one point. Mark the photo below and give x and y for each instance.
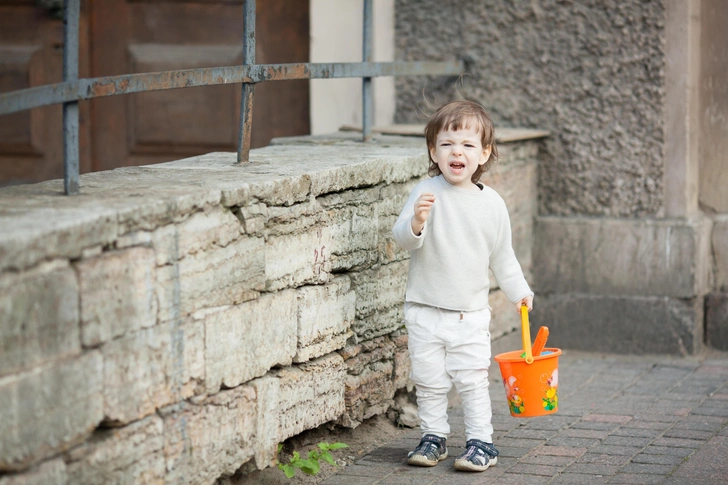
(455, 229)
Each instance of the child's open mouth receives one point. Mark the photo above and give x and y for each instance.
(457, 166)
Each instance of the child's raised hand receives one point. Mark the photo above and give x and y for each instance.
(528, 301)
(423, 205)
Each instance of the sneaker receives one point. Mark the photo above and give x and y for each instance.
(478, 456)
(429, 452)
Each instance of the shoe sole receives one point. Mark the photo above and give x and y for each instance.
(466, 466)
(421, 460)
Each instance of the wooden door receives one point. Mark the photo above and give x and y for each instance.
(130, 36)
(31, 54)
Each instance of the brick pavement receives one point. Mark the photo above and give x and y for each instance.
(621, 420)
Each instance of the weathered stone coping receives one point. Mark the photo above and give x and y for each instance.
(38, 222)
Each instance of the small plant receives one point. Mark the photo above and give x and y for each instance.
(310, 465)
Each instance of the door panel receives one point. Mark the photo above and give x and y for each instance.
(158, 36)
(31, 143)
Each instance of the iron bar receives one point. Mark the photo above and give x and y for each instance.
(89, 88)
(246, 97)
(71, 14)
(366, 95)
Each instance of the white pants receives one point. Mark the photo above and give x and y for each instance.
(448, 347)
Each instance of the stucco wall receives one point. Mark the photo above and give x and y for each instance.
(591, 72)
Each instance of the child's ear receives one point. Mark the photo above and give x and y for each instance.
(486, 154)
(433, 153)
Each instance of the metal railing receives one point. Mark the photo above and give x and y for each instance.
(73, 89)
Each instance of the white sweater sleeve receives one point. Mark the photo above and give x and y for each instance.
(402, 229)
(504, 264)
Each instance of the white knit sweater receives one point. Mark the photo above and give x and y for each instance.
(467, 232)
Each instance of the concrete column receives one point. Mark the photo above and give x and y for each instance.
(682, 120)
(714, 105)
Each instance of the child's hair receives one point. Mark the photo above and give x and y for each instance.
(457, 115)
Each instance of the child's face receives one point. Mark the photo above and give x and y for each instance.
(458, 153)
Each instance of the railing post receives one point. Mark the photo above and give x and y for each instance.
(367, 100)
(246, 98)
(71, 14)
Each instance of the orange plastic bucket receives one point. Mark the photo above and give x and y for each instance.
(531, 382)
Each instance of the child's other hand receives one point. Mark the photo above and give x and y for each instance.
(423, 205)
(528, 301)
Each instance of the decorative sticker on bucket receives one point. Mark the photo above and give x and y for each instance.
(515, 402)
(551, 401)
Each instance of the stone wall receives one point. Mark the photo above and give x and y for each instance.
(175, 322)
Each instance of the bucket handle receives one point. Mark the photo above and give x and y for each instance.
(526, 334)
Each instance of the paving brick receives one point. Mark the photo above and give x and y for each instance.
(689, 434)
(573, 442)
(592, 469)
(596, 425)
(531, 433)
(531, 469)
(550, 450)
(636, 432)
(636, 479)
(580, 479)
(651, 468)
(520, 479)
(608, 418)
(678, 442)
(631, 441)
(658, 459)
(604, 459)
(513, 451)
(668, 450)
(558, 461)
(520, 442)
(584, 433)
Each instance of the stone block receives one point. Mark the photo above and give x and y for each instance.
(354, 238)
(63, 233)
(152, 368)
(402, 364)
(244, 341)
(716, 320)
(217, 277)
(370, 383)
(624, 325)
(369, 393)
(325, 316)
(49, 409)
(298, 259)
(720, 253)
(620, 257)
(213, 438)
(267, 390)
(51, 472)
(39, 314)
(339, 239)
(130, 455)
(117, 294)
(379, 323)
(216, 227)
(310, 394)
(380, 288)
